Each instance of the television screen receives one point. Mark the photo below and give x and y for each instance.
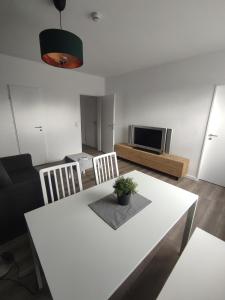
(148, 137)
(152, 138)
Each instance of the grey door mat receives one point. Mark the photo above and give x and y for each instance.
(116, 215)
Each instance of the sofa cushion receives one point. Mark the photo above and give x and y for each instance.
(24, 175)
(4, 177)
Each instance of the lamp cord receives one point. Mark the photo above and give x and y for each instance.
(60, 19)
(16, 281)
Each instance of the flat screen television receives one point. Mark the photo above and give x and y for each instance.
(149, 138)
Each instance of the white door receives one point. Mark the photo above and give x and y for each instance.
(89, 120)
(212, 167)
(28, 114)
(108, 123)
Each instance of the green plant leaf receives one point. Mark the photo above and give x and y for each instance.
(124, 186)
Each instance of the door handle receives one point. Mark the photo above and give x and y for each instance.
(39, 127)
(213, 135)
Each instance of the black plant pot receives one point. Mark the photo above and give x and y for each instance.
(124, 199)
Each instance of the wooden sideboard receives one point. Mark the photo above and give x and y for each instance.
(167, 163)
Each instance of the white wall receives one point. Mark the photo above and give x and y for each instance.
(176, 95)
(8, 142)
(61, 91)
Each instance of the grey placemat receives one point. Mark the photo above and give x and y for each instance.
(116, 215)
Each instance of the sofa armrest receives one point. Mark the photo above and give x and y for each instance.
(17, 162)
(15, 200)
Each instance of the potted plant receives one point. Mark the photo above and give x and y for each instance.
(123, 188)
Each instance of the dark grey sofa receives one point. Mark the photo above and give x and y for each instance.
(20, 192)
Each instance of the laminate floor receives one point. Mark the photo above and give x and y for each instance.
(210, 216)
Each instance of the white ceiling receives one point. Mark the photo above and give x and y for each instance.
(133, 34)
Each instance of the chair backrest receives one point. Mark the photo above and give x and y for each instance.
(105, 167)
(60, 181)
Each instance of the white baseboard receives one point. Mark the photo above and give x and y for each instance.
(192, 177)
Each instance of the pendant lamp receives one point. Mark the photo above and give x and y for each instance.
(61, 48)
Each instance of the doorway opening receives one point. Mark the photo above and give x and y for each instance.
(97, 122)
(90, 110)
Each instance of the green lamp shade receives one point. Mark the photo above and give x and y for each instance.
(61, 48)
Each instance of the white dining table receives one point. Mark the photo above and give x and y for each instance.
(200, 271)
(83, 258)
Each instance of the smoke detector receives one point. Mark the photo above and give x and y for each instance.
(96, 16)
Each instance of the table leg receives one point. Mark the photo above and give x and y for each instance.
(37, 266)
(188, 226)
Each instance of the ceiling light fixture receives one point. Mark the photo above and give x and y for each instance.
(61, 48)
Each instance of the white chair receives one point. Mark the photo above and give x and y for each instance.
(60, 181)
(105, 167)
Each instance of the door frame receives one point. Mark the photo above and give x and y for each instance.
(206, 133)
(98, 127)
(114, 115)
(114, 120)
(99, 118)
(15, 125)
